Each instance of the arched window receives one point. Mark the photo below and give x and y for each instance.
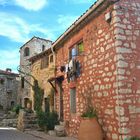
(26, 51)
(43, 48)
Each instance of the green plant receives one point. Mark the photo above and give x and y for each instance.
(47, 120)
(41, 119)
(90, 113)
(134, 138)
(16, 108)
(52, 120)
(38, 97)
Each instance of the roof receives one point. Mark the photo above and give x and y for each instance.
(36, 38)
(4, 72)
(93, 8)
(74, 25)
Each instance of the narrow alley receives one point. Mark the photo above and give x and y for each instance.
(13, 134)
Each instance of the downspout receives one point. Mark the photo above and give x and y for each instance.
(54, 86)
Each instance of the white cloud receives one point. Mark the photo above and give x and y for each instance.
(65, 21)
(9, 59)
(14, 28)
(80, 1)
(18, 30)
(32, 5)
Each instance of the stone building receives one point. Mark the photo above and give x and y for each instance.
(99, 57)
(31, 48)
(42, 69)
(8, 89)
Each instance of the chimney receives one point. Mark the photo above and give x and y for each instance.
(8, 70)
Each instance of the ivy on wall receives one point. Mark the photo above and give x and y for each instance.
(38, 96)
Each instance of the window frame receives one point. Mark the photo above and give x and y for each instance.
(44, 62)
(51, 55)
(76, 46)
(43, 48)
(73, 100)
(26, 51)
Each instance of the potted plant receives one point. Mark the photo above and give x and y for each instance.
(135, 138)
(89, 126)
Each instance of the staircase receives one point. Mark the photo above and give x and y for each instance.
(27, 121)
(1, 116)
(2, 112)
(60, 129)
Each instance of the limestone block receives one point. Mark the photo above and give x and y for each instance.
(52, 133)
(122, 64)
(119, 110)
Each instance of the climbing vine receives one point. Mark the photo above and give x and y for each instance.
(38, 97)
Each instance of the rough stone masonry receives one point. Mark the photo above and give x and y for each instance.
(110, 69)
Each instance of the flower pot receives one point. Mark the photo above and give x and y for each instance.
(90, 130)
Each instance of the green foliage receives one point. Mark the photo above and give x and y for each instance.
(38, 96)
(47, 120)
(42, 119)
(52, 120)
(90, 113)
(134, 138)
(16, 108)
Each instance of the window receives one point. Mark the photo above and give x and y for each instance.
(43, 48)
(1, 81)
(76, 50)
(73, 100)
(44, 62)
(51, 58)
(9, 83)
(26, 51)
(12, 104)
(22, 82)
(80, 48)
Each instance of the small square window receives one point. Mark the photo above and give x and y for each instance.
(44, 62)
(1, 81)
(51, 58)
(80, 48)
(76, 50)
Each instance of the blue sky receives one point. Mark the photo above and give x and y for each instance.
(20, 20)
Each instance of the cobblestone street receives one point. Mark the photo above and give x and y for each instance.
(12, 134)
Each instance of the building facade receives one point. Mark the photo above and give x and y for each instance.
(99, 57)
(9, 83)
(42, 69)
(31, 48)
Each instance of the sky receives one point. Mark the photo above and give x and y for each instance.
(20, 20)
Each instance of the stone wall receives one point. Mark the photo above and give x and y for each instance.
(35, 46)
(127, 33)
(42, 75)
(26, 121)
(8, 90)
(98, 74)
(109, 69)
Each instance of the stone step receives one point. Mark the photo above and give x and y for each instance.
(60, 130)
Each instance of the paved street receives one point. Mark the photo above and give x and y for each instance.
(11, 134)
